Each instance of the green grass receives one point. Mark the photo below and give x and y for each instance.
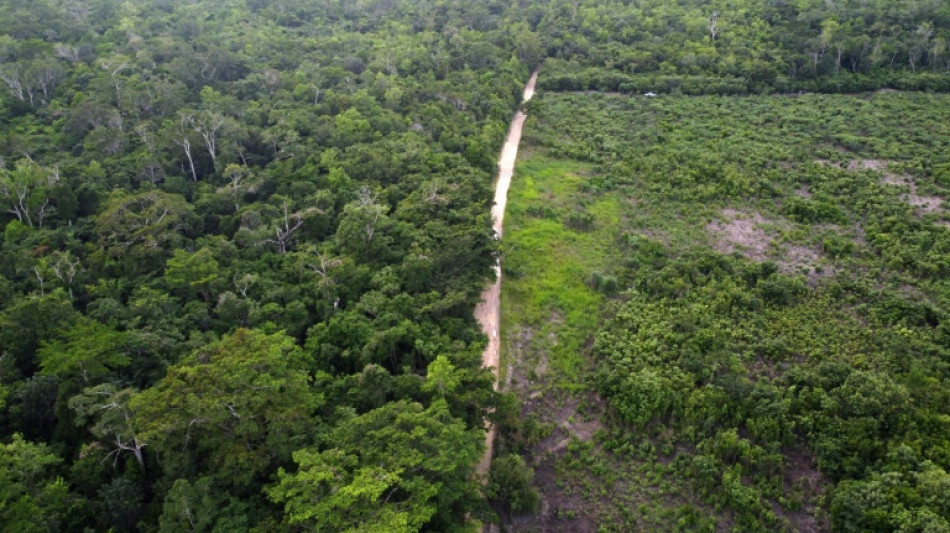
(548, 265)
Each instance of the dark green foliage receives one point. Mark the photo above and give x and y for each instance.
(510, 484)
(228, 229)
(696, 48)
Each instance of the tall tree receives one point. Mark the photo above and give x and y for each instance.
(230, 409)
(399, 468)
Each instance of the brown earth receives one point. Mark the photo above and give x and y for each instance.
(488, 311)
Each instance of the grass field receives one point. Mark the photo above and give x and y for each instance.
(548, 264)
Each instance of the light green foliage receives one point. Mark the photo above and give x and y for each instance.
(31, 498)
(231, 408)
(193, 273)
(396, 468)
(441, 377)
(86, 352)
(546, 263)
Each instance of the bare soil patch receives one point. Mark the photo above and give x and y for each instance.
(924, 204)
(802, 477)
(560, 511)
(897, 180)
(867, 164)
(741, 232)
(752, 235)
(797, 256)
(568, 416)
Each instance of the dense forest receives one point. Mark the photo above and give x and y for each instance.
(738, 46)
(242, 242)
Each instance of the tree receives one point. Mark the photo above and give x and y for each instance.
(29, 322)
(322, 266)
(231, 408)
(86, 352)
(442, 377)
(510, 484)
(236, 175)
(136, 226)
(64, 266)
(180, 133)
(359, 225)
(207, 124)
(192, 274)
(24, 189)
(200, 507)
(714, 25)
(31, 499)
(285, 227)
(108, 408)
(399, 468)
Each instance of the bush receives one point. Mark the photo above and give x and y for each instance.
(603, 283)
(580, 221)
(510, 484)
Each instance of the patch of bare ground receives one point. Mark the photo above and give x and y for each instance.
(752, 235)
(741, 232)
(563, 416)
(923, 204)
(805, 484)
(560, 510)
(570, 423)
(878, 165)
(867, 164)
(567, 416)
(517, 348)
(578, 496)
(897, 180)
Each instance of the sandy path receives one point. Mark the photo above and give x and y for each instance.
(487, 313)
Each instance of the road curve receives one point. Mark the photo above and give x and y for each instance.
(489, 310)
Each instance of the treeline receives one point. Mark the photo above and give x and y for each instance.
(566, 77)
(738, 47)
(241, 247)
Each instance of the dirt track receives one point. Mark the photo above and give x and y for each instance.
(487, 313)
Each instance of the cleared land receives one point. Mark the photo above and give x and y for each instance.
(731, 251)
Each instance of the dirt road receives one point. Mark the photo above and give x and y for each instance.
(487, 313)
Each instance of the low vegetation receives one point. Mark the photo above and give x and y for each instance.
(777, 348)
